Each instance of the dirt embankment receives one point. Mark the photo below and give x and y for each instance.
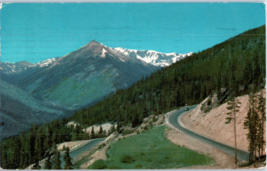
(212, 124)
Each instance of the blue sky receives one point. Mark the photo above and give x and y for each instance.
(38, 31)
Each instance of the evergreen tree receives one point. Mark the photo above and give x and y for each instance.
(57, 161)
(233, 107)
(67, 159)
(100, 131)
(48, 163)
(92, 133)
(118, 128)
(261, 109)
(250, 123)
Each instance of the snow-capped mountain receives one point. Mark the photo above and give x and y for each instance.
(9, 68)
(15, 72)
(153, 57)
(85, 76)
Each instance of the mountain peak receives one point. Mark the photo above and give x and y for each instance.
(93, 45)
(93, 42)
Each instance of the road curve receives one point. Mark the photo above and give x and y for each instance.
(174, 120)
(76, 152)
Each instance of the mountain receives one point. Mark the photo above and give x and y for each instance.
(153, 57)
(51, 89)
(15, 72)
(19, 110)
(82, 77)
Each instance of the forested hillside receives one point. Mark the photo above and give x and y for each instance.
(233, 66)
(36, 144)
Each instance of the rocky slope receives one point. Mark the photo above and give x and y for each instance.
(212, 124)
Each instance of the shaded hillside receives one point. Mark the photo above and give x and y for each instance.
(234, 65)
(19, 110)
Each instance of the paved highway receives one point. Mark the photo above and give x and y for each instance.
(76, 152)
(175, 121)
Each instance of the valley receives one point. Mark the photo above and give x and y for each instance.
(133, 106)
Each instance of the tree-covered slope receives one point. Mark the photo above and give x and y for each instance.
(233, 66)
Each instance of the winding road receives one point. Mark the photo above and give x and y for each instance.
(174, 120)
(78, 151)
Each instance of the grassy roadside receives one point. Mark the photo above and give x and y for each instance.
(150, 150)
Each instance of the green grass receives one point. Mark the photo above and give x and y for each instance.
(150, 150)
(78, 164)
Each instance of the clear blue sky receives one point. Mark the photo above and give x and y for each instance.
(38, 31)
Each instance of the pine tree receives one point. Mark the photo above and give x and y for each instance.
(262, 119)
(56, 159)
(250, 123)
(48, 163)
(100, 131)
(118, 128)
(233, 107)
(67, 159)
(57, 164)
(92, 133)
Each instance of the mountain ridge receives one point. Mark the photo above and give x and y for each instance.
(153, 57)
(86, 69)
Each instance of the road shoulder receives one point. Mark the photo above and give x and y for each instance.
(223, 161)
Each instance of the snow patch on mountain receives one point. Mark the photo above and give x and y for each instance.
(18, 67)
(46, 62)
(103, 55)
(153, 57)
